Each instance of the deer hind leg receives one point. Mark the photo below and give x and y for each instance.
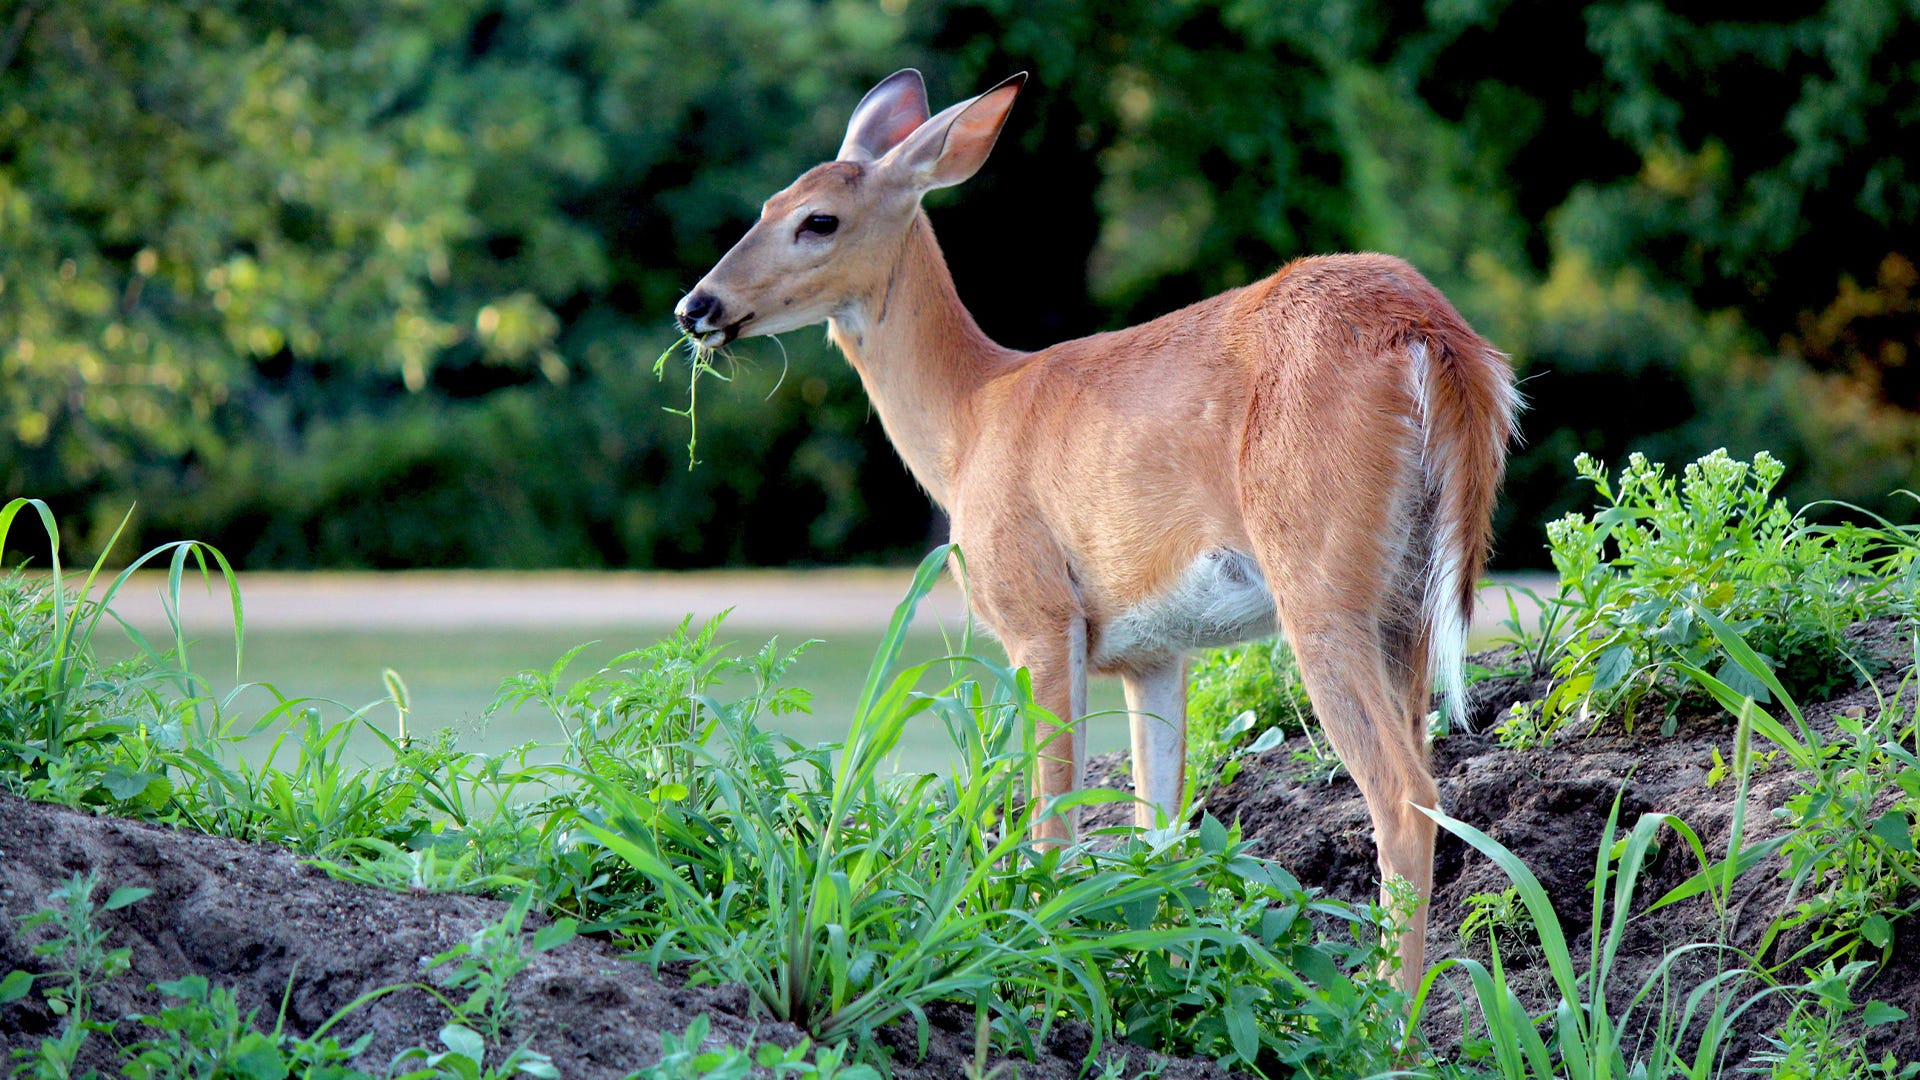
(1157, 710)
(1348, 576)
(1058, 665)
(1367, 718)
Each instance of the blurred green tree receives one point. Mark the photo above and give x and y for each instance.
(373, 283)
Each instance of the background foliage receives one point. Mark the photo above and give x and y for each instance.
(309, 280)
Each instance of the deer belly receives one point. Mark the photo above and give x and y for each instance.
(1220, 599)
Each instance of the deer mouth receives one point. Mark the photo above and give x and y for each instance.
(714, 339)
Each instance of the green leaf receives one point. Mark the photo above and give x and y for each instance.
(1879, 1012)
(258, 1059)
(555, 935)
(1617, 515)
(1743, 682)
(125, 784)
(465, 1042)
(1268, 739)
(15, 986)
(1719, 770)
(1316, 966)
(1546, 923)
(1276, 921)
(1752, 662)
(1877, 930)
(1213, 835)
(1713, 876)
(1894, 831)
(539, 1067)
(1612, 667)
(125, 895)
(1679, 631)
(1243, 1032)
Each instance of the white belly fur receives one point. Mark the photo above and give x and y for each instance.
(1221, 599)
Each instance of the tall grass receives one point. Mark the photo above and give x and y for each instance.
(1594, 1030)
(58, 710)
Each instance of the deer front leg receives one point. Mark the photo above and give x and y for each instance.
(1058, 664)
(1157, 711)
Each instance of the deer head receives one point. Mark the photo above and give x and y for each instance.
(833, 235)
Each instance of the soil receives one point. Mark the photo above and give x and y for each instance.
(1550, 807)
(259, 919)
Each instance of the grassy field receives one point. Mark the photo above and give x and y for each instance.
(453, 675)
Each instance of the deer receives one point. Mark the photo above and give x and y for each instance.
(1317, 453)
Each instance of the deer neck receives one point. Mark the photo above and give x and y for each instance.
(921, 358)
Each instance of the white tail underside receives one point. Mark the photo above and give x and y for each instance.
(1441, 607)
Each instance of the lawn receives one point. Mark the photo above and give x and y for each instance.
(452, 676)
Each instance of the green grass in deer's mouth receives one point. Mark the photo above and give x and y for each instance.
(699, 363)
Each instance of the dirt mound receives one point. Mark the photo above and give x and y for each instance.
(258, 919)
(1550, 806)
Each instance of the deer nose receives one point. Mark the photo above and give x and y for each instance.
(697, 311)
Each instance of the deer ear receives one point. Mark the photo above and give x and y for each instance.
(953, 145)
(888, 114)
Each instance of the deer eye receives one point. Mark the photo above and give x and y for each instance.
(820, 224)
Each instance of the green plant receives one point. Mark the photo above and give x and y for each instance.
(465, 1058)
(844, 900)
(1242, 699)
(370, 861)
(1493, 916)
(80, 963)
(1525, 726)
(1674, 1030)
(1664, 1029)
(641, 719)
(700, 363)
(71, 731)
(645, 728)
(486, 964)
(1540, 646)
(844, 897)
(1637, 575)
(685, 1057)
(1851, 848)
(841, 901)
(1810, 1043)
(78, 945)
(145, 738)
(1677, 1030)
(1853, 841)
(202, 1033)
(1260, 987)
